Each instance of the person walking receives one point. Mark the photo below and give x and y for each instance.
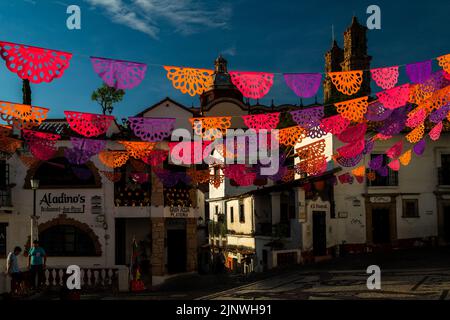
(37, 260)
(13, 270)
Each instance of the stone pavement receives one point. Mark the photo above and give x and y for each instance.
(412, 274)
(421, 273)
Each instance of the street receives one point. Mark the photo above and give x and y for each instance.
(412, 274)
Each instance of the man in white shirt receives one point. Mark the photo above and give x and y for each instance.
(12, 268)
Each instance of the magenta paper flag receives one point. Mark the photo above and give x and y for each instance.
(435, 133)
(353, 133)
(419, 72)
(42, 145)
(118, 73)
(33, 63)
(352, 149)
(152, 129)
(396, 150)
(254, 85)
(385, 78)
(304, 85)
(263, 121)
(394, 165)
(394, 98)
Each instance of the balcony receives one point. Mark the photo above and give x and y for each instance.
(444, 176)
(391, 180)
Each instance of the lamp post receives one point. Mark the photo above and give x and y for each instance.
(34, 235)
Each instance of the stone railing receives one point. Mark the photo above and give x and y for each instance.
(92, 279)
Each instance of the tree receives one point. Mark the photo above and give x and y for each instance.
(106, 97)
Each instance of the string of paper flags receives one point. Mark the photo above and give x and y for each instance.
(44, 65)
(394, 110)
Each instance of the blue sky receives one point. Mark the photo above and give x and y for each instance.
(273, 36)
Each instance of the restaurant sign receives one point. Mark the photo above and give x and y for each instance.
(63, 203)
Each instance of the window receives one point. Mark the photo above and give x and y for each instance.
(410, 208)
(134, 187)
(444, 170)
(391, 180)
(232, 214)
(59, 173)
(3, 239)
(241, 213)
(5, 190)
(67, 241)
(216, 210)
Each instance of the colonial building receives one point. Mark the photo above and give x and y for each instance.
(86, 219)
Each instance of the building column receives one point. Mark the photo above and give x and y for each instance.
(276, 206)
(300, 204)
(158, 256)
(191, 243)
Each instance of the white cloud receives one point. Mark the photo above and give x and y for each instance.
(231, 51)
(186, 16)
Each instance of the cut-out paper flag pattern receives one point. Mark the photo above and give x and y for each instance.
(42, 145)
(395, 97)
(9, 145)
(291, 136)
(347, 82)
(359, 172)
(416, 117)
(316, 132)
(83, 150)
(190, 80)
(334, 124)
(113, 159)
(385, 78)
(111, 175)
(353, 133)
(419, 72)
(352, 149)
(348, 162)
(435, 133)
(354, 109)
(394, 165)
(35, 64)
(152, 129)
(156, 157)
(415, 135)
(210, 128)
(419, 148)
(267, 121)
(377, 112)
(304, 85)
(138, 149)
(395, 151)
(405, 158)
(118, 73)
(376, 163)
(22, 116)
(439, 114)
(444, 62)
(253, 85)
(88, 124)
(308, 118)
(395, 123)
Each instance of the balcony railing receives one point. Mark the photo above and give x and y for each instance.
(444, 176)
(391, 180)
